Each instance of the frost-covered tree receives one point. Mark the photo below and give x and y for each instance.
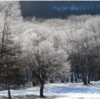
(10, 15)
(43, 58)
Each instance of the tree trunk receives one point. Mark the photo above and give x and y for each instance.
(41, 90)
(89, 78)
(51, 81)
(9, 94)
(0, 80)
(98, 75)
(6, 84)
(76, 78)
(78, 75)
(92, 77)
(95, 78)
(85, 80)
(67, 79)
(72, 78)
(33, 83)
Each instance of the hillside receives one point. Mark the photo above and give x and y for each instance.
(56, 9)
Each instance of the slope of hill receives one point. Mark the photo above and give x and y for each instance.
(62, 9)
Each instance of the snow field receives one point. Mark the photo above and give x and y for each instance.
(65, 90)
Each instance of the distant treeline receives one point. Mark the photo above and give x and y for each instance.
(57, 9)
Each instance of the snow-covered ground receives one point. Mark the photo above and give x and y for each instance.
(68, 90)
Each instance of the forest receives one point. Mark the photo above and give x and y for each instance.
(58, 9)
(47, 48)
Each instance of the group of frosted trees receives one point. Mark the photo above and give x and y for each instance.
(22, 44)
(51, 47)
(79, 37)
(85, 42)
